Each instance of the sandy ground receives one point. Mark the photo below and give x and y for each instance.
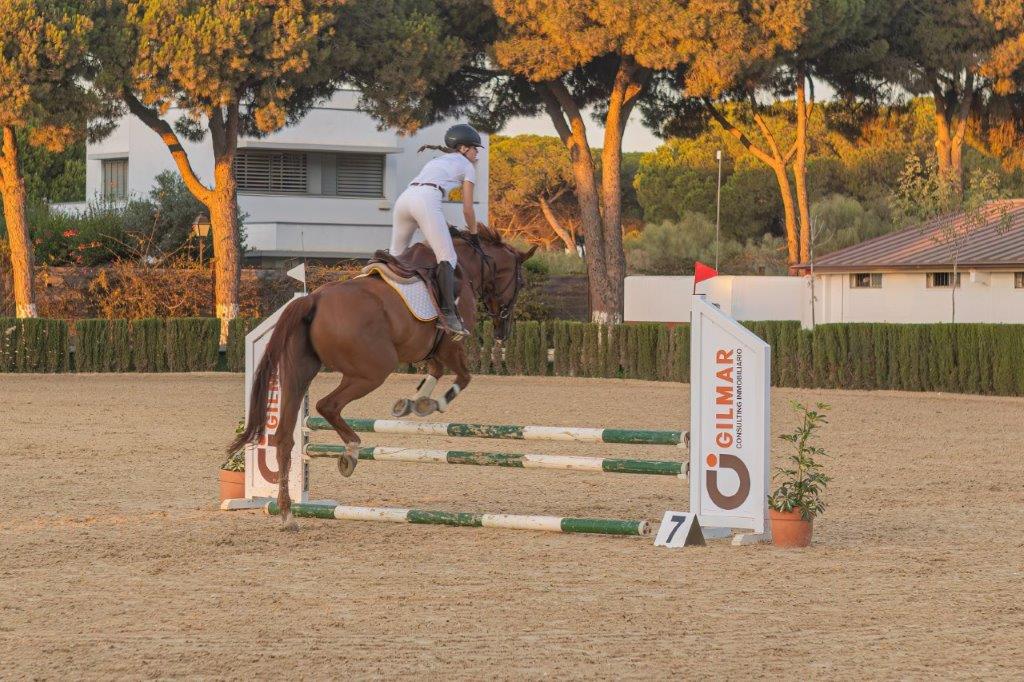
(116, 563)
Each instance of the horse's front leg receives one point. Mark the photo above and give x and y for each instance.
(453, 356)
(403, 406)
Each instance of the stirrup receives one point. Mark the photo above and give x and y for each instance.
(455, 334)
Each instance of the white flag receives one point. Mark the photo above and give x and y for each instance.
(298, 272)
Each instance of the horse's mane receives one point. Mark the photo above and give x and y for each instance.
(485, 234)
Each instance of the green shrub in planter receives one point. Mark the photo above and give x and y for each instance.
(802, 479)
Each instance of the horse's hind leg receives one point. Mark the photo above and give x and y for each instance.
(296, 372)
(352, 387)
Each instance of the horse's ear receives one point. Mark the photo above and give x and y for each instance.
(525, 255)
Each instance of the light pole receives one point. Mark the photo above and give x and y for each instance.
(718, 205)
(201, 229)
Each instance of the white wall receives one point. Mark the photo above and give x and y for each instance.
(902, 298)
(282, 224)
(667, 299)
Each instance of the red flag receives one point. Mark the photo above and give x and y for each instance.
(702, 272)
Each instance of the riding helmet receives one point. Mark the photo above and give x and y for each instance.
(462, 133)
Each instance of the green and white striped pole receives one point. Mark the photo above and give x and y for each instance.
(508, 431)
(558, 524)
(506, 459)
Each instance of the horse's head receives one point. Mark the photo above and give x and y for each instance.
(497, 276)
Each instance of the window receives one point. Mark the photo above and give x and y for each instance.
(268, 171)
(1018, 280)
(866, 280)
(360, 175)
(942, 280)
(312, 173)
(115, 179)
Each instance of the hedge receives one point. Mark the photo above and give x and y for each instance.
(235, 352)
(192, 344)
(33, 345)
(961, 358)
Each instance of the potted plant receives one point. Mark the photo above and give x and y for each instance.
(232, 473)
(797, 500)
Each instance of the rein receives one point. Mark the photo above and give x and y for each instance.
(487, 288)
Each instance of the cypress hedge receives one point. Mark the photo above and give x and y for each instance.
(33, 345)
(193, 344)
(148, 341)
(238, 328)
(103, 345)
(961, 358)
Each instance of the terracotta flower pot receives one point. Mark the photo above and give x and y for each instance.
(789, 529)
(232, 485)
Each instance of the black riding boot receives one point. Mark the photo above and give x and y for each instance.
(446, 283)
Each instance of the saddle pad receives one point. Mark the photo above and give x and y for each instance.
(413, 292)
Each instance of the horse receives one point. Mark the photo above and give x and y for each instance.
(362, 328)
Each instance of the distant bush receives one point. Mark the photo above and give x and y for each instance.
(559, 263)
(672, 249)
(150, 229)
(842, 221)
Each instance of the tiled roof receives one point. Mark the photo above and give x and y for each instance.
(999, 243)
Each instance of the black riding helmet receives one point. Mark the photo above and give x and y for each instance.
(462, 133)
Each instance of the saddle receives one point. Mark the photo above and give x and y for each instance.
(409, 272)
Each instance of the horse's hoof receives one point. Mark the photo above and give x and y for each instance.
(424, 406)
(347, 464)
(401, 407)
(288, 524)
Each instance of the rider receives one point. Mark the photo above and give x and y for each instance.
(419, 206)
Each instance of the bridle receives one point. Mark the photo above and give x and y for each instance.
(489, 276)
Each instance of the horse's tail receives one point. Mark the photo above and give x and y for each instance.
(298, 313)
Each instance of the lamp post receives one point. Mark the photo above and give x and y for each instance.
(718, 204)
(201, 229)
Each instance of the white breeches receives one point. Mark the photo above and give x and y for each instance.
(420, 207)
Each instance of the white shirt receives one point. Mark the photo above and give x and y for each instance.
(448, 171)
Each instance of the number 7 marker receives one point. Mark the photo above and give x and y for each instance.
(679, 529)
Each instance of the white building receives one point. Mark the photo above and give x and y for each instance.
(903, 277)
(321, 188)
(907, 275)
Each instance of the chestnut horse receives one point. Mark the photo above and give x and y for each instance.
(362, 328)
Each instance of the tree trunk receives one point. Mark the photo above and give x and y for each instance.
(223, 207)
(800, 166)
(789, 213)
(571, 127)
(221, 201)
(556, 227)
(952, 113)
(775, 160)
(952, 297)
(226, 252)
(943, 144)
(605, 307)
(12, 188)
